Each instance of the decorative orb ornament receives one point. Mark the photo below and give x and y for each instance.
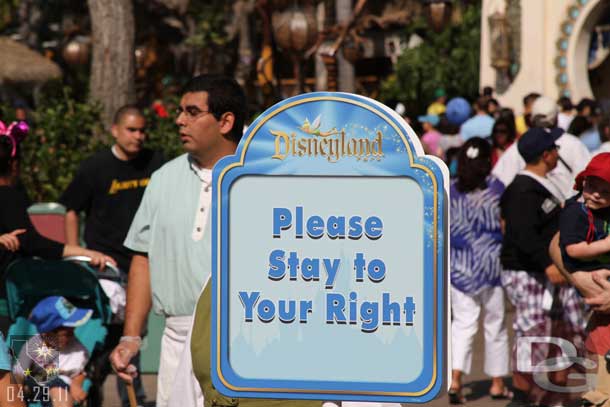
(438, 13)
(352, 51)
(76, 51)
(294, 29)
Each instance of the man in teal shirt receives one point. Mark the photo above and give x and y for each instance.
(170, 234)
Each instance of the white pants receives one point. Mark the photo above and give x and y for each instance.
(176, 383)
(465, 312)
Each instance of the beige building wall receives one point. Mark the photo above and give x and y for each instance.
(543, 24)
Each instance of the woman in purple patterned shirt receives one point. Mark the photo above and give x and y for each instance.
(476, 239)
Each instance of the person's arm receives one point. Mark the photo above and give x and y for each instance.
(554, 275)
(587, 251)
(97, 259)
(139, 302)
(78, 197)
(582, 280)
(139, 296)
(71, 226)
(76, 388)
(10, 392)
(601, 301)
(10, 241)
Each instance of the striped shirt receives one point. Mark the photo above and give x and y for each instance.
(476, 237)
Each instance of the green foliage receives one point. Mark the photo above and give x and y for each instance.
(7, 8)
(211, 21)
(63, 133)
(448, 60)
(162, 132)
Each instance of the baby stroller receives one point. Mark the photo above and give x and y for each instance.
(30, 280)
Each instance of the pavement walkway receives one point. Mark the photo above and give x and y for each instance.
(476, 385)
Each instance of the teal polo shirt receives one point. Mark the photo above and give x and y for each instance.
(172, 226)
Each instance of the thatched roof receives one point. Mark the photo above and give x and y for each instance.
(18, 63)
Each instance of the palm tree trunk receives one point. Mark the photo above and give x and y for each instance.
(112, 66)
(346, 72)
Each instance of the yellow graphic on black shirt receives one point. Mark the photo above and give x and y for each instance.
(118, 186)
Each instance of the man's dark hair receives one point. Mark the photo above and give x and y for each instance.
(488, 91)
(579, 125)
(603, 125)
(126, 110)
(508, 125)
(482, 103)
(507, 113)
(565, 104)
(473, 170)
(584, 103)
(530, 98)
(224, 95)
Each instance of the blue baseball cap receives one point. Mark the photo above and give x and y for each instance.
(536, 141)
(54, 312)
(429, 118)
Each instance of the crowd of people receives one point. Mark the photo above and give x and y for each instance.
(530, 199)
(529, 223)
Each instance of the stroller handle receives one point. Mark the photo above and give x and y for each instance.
(108, 266)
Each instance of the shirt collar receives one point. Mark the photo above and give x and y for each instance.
(204, 174)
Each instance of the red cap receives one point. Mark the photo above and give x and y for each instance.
(598, 167)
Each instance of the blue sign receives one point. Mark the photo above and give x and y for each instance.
(329, 257)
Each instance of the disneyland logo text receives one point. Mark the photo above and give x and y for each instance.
(332, 145)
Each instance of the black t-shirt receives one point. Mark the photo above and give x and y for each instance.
(14, 203)
(109, 190)
(531, 215)
(573, 227)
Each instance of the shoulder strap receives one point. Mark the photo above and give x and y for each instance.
(565, 163)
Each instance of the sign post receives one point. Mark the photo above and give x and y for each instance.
(329, 257)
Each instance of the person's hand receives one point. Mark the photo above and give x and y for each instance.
(601, 301)
(10, 241)
(120, 358)
(555, 276)
(99, 259)
(77, 392)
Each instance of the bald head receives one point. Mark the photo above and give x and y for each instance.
(127, 110)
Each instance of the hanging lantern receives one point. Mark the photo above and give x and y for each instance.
(352, 50)
(76, 51)
(294, 29)
(438, 13)
(140, 55)
(499, 41)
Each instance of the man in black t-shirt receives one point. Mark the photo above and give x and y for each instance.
(543, 305)
(108, 187)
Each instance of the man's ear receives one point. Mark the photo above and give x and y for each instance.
(226, 123)
(114, 130)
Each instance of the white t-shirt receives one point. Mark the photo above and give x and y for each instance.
(564, 120)
(571, 150)
(604, 148)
